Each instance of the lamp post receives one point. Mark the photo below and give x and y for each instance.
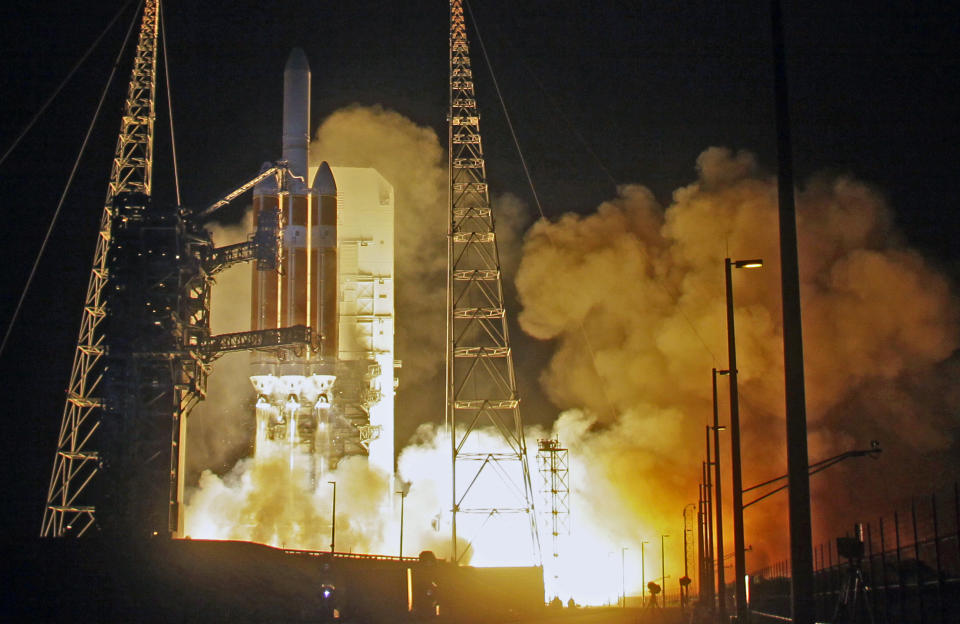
(643, 575)
(686, 576)
(701, 544)
(623, 578)
(403, 497)
(708, 580)
(717, 553)
(333, 522)
(663, 574)
(740, 567)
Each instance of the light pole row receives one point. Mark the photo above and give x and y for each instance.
(739, 557)
(712, 502)
(333, 522)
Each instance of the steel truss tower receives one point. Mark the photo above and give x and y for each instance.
(77, 461)
(552, 461)
(491, 476)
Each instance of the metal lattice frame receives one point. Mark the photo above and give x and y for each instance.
(481, 387)
(552, 461)
(76, 464)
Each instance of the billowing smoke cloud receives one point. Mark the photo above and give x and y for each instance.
(411, 159)
(633, 297)
(265, 499)
(220, 429)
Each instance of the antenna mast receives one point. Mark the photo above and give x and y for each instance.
(491, 478)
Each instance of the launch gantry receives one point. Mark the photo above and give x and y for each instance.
(77, 462)
(490, 478)
(144, 349)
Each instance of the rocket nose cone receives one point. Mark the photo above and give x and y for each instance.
(297, 61)
(323, 182)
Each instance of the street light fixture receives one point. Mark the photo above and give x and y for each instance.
(663, 574)
(333, 522)
(717, 554)
(403, 497)
(684, 582)
(738, 539)
(643, 575)
(623, 577)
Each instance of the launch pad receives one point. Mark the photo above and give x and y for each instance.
(163, 580)
(322, 363)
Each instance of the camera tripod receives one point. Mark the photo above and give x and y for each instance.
(851, 590)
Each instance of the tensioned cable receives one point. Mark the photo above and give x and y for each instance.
(166, 72)
(56, 91)
(66, 188)
(573, 128)
(600, 163)
(503, 106)
(536, 198)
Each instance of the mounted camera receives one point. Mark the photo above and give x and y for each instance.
(851, 547)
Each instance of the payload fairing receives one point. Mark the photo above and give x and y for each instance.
(335, 276)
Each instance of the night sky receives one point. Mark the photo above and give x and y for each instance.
(600, 94)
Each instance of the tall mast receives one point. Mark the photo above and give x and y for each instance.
(491, 479)
(77, 462)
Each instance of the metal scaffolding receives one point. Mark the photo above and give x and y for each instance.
(144, 350)
(481, 388)
(77, 461)
(555, 488)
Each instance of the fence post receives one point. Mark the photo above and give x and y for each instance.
(820, 579)
(936, 550)
(870, 583)
(883, 571)
(900, 591)
(916, 554)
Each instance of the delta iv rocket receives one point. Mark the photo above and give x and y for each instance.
(334, 275)
(294, 391)
(304, 290)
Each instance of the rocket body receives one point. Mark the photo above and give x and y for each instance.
(303, 291)
(334, 275)
(295, 390)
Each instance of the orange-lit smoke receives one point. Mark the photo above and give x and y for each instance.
(633, 297)
(263, 500)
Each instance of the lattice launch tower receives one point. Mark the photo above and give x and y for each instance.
(491, 478)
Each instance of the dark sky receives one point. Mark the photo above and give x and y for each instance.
(600, 93)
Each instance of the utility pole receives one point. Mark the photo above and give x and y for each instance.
(801, 540)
